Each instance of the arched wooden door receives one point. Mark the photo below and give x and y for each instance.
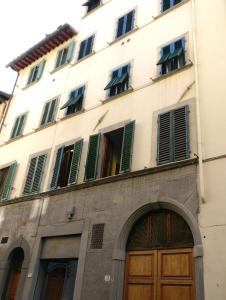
(159, 262)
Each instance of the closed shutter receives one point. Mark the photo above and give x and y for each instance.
(81, 50)
(45, 113)
(40, 69)
(34, 175)
(164, 138)
(9, 181)
(89, 45)
(15, 127)
(181, 133)
(75, 162)
(92, 157)
(70, 52)
(166, 4)
(59, 56)
(20, 125)
(120, 27)
(56, 170)
(127, 147)
(130, 21)
(51, 111)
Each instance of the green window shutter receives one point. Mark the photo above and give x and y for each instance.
(181, 133)
(34, 175)
(9, 181)
(59, 56)
(38, 173)
(70, 52)
(15, 127)
(40, 69)
(56, 170)
(45, 113)
(20, 125)
(51, 111)
(127, 147)
(164, 138)
(92, 157)
(75, 162)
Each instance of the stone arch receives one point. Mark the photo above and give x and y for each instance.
(119, 251)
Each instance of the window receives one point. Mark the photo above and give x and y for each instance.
(173, 135)
(166, 4)
(67, 165)
(172, 57)
(34, 175)
(65, 55)
(6, 180)
(125, 24)
(119, 81)
(91, 4)
(18, 126)
(75, 102)
(48, 112)
(86, 47)
(36, 72)
(116, 152)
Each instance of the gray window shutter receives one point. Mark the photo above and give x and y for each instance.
(70, 52)
(164, 138)
(56, 170)
(75, 162)
(181, 133)
(92, 157)
(40, 69)
(127, 147)
(34, 175)
(9, 181)
(45, 113)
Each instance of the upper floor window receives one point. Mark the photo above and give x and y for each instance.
(65, 55)
(75, 102)
(34, 175)
(36, 72)
(18, 126)
(67, 165)
(115, 152)
(86, 47)
(48, 112)
(173, 135)
(91, 4)
(119, 81)
(172, 56)
(6, 180)
(166, 4)
(125, 24)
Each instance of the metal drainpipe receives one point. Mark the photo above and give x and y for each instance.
(198, 120)
(9, 101)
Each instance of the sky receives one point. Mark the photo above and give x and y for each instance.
(24, 23)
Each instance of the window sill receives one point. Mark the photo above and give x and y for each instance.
(11, 140)
(72, 115)
(84, 58)
(130, 90)
(45, 126)
(29, 85)
(124, 36)
(59, 68)
(170, 9)
(161, 77)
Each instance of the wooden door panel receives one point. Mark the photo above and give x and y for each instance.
(173, 292)
(138, 292)
(141, 265)
(175, 265)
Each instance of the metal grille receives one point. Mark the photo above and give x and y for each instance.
(97, 236)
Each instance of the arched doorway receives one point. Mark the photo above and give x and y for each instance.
(16, 259)
(159, 258)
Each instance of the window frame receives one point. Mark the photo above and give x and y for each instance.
(12, 137)
(171, 5)
(84, 54)
(125, 16)
(38, 71)
(84, 86)
(53, 114)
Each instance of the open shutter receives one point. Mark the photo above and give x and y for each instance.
(164, 138)
(181, 133)
(92, 157)
(40, 69)
(127, 147)
(15, 127)
(51, 111)
(38, 173)
(45, 113)
(56, 170)
(20, 125)
(89, 45)
(81, 50)
(120, 27)
(9, 181)
(75, 162)
(70, 52)
(130, 21)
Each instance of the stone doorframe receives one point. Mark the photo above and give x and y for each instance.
(119, 252)
(5, 264)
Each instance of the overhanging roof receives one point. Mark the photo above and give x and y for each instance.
(4, 96)
(50, 42)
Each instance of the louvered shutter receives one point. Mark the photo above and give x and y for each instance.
(130, 21)
(51, 111)
(164, 138)
(89, 45)
(92, 157)
(181, 133)
(40, 69)
(56, 170)
(81, 50)
(75, 162)
(38, 173)
(20, 125)
(45, 113)
(127, 147)
(120, 27)
(9, 181)
(70, 52)
(59, 56)
(15, 127)
(30, 176)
